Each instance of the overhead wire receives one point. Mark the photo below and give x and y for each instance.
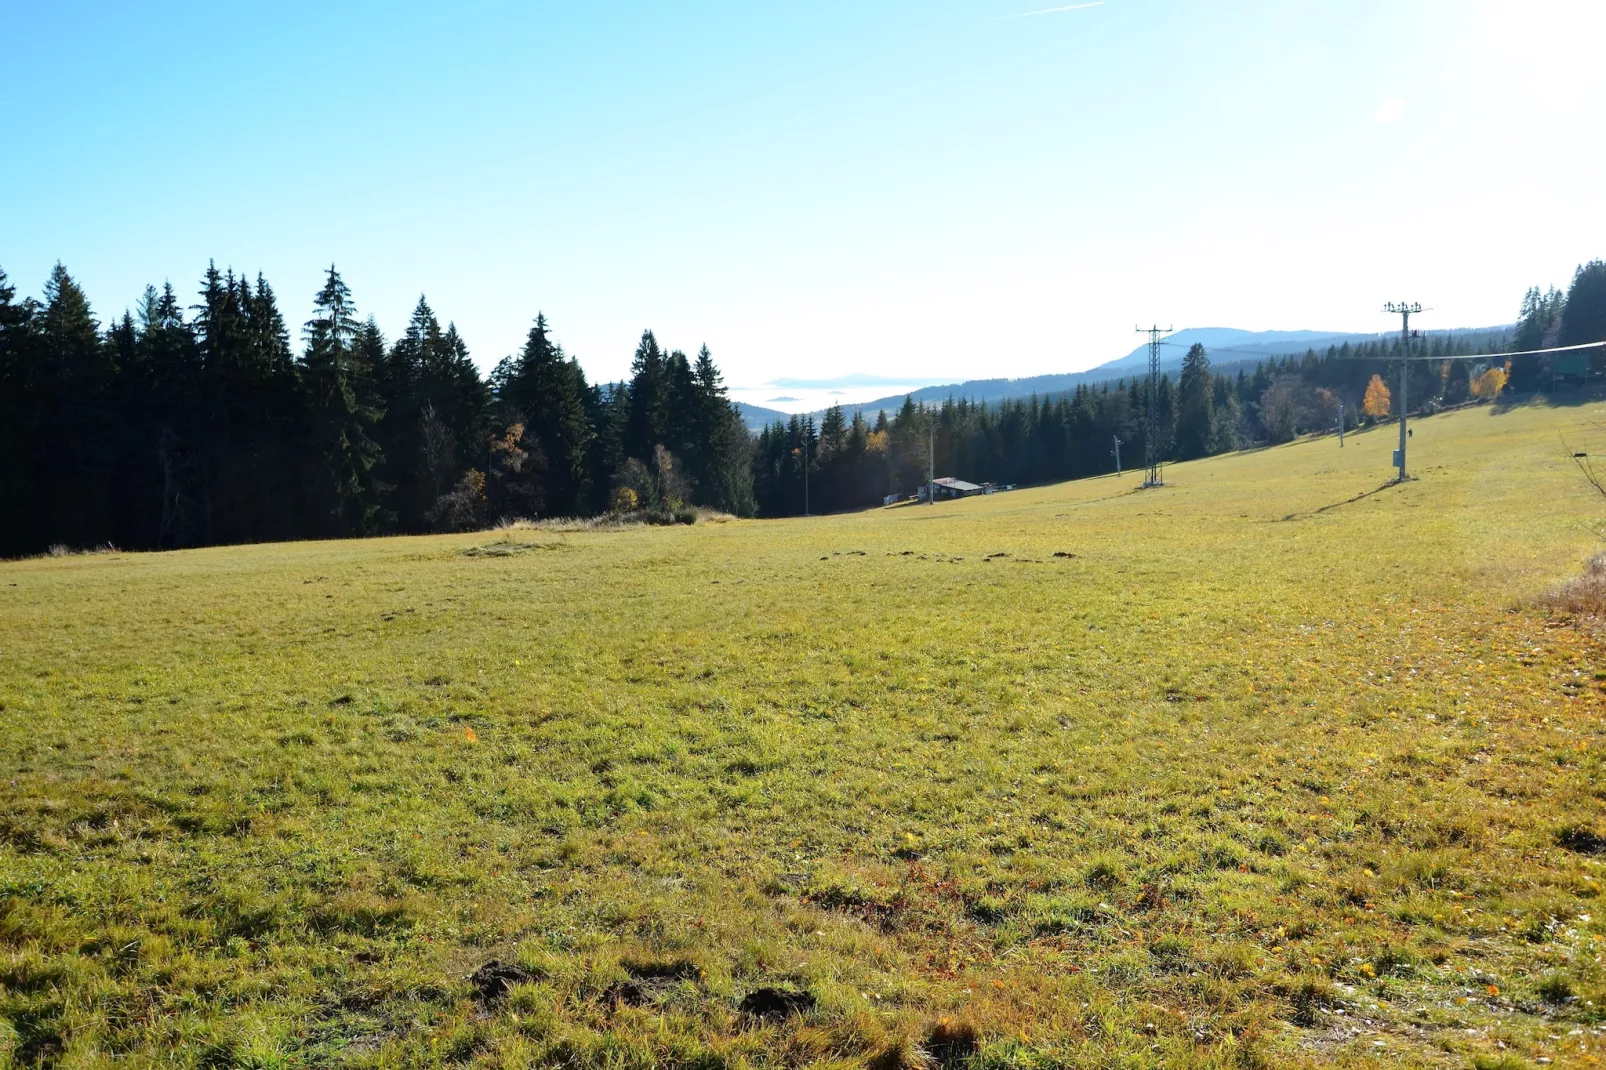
(1447, 356)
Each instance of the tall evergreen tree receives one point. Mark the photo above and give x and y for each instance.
(833, 433)
(456, 387)
(1533, 326)
(547, 392)
(436, 419)
(683, 411)
(270, 434)
(20, 422)
(608, 410)
(164, 480)
(1196, 402)
(247, 407)
(1225, 417)
(75, 438)
(1583, 318)
(396, 376)
(344, 492)
(720, 451)
(649, 399)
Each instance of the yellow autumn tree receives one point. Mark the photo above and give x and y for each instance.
(1491, 382)
(1377, 400)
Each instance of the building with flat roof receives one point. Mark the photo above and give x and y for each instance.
(949, 487)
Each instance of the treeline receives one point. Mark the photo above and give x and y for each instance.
(853, 463)
(185, 426)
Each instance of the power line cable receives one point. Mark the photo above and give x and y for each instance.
(1447, 356)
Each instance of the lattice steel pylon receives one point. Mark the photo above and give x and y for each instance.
(1151, 435)
(1405, 311)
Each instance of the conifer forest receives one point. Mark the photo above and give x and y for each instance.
(208, 418)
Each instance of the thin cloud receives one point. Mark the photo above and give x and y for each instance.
(1392, 111)
(1054, 10)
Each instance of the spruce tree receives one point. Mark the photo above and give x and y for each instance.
(19, 421)
(608, 411)
(344, 492)
(547, 392)
(397, 383)
(649, 399)
(74, 445)
(1583, 318)
(1195, 429)
(861, 487)
(272, 443)
(1165, 407)
(683, 410)
(833, 433)
(717, 449)
(1226, 417)
(226, 435)
(165, 384)
(460, 391)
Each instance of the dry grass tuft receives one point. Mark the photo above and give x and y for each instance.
(952, 1043)
(902, 1054)
(1584, 596)
(618, 521)
(61, 549)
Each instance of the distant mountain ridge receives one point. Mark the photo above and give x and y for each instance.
(1226, 345)
(757, 417)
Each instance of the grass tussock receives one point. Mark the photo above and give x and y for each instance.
(1584, 596)
(1075, 776)
(63, 550)
(621, 521)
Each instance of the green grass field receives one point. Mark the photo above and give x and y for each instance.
(1274, 766)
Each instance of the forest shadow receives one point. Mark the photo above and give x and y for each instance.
(1564, 397)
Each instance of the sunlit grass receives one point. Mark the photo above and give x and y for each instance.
(1260, 768)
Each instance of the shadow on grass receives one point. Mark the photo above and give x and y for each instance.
(1338, 505)
(1557, 398)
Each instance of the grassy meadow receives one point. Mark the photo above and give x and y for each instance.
(1275, 766)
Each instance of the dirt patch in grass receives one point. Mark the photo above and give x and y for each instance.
(647, 980)
(628, 994)
(661, 969)
(1582, 840)
(493, 981)
(878, 911)
(511, 549)
(776, 1004)
(951, 1043)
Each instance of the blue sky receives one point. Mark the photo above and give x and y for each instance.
(927, 190)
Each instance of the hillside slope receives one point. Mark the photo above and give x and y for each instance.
(1277, 765)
